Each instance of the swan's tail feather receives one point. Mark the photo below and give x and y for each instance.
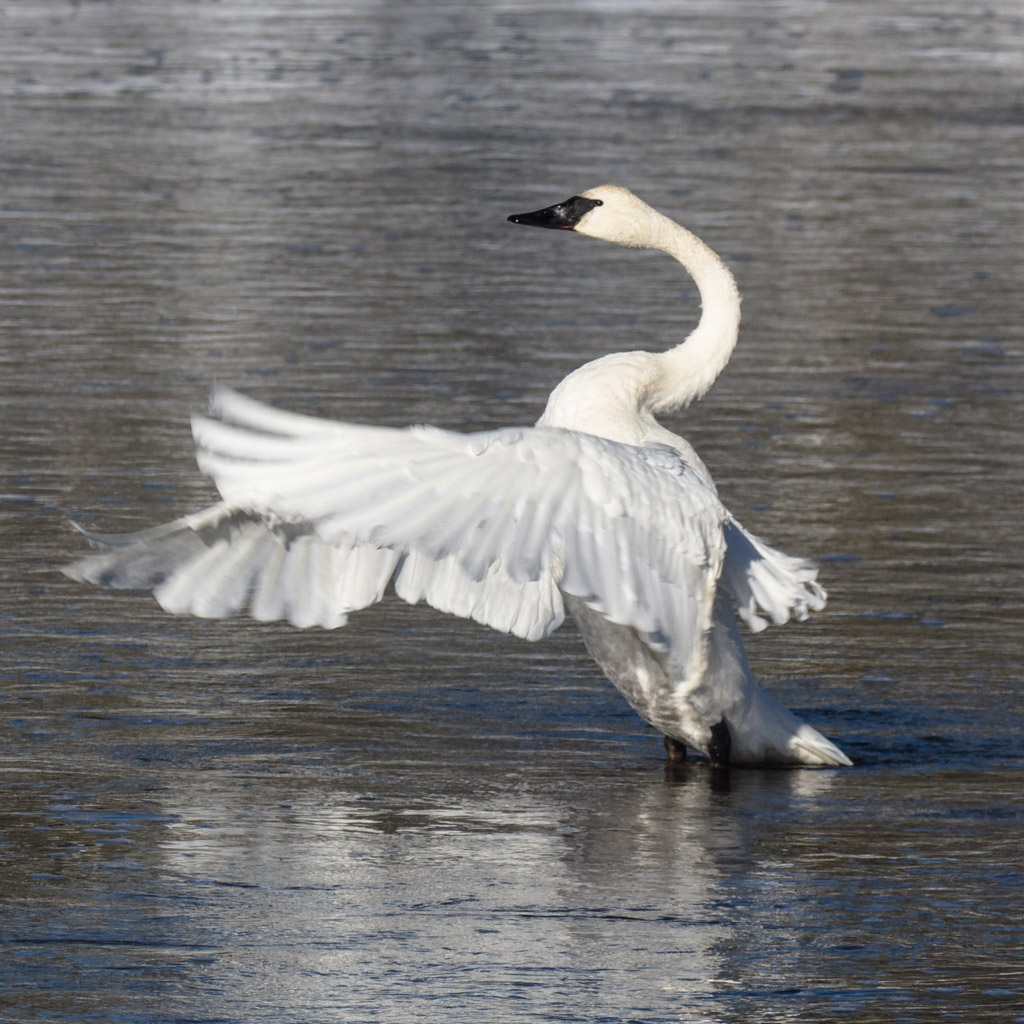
(765, 731)
(809, 747)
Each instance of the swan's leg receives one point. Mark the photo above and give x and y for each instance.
(676, 750)
(720, 746)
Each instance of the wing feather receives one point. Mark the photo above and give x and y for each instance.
(317, 515)
(764, 581)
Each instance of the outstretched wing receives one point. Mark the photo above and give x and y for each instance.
(317, 515)
(764, 581)
(223, 560)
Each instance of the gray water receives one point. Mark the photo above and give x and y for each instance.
(415, 819)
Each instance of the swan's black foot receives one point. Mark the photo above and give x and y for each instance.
(676, 750)
(720, 747)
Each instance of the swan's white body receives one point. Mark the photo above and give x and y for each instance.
(597, 510)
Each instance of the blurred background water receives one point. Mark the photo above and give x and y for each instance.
(415, 819)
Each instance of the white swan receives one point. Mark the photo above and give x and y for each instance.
(597, 509)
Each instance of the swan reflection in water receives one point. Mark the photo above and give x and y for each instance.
(597, 510)
(636, 877)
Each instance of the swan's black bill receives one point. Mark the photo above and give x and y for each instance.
(565, 216)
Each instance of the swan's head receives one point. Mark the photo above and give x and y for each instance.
(608, 212)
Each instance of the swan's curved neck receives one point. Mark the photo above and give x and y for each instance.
(617, 396)
(688, 370)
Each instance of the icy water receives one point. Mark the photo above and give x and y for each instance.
(415, 819)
